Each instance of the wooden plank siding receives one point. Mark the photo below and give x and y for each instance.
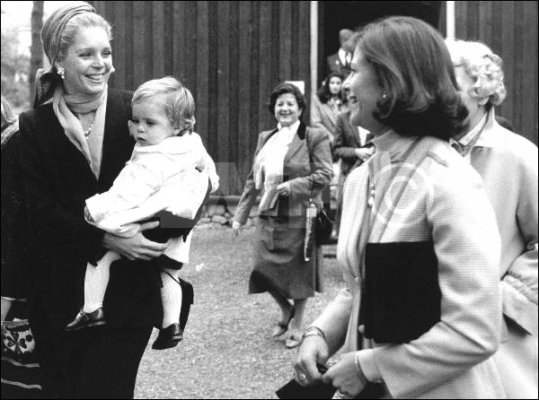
(509, 28)
(230, 54)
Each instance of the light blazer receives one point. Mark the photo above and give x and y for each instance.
(57, 179)
(443, 202)
(307, 175)
(507, 163)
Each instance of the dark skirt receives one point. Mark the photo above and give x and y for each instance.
(279, 260)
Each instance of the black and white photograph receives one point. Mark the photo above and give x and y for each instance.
(269, 199)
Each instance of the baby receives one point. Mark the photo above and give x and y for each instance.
(169, 170)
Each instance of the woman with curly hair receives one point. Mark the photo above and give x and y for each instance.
(507, 163)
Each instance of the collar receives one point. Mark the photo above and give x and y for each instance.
(294, 127)
(486, 128)
(291, 130)
(172, 145)
(476, 130)
(490, 136)
(342, 55)
(393, 143)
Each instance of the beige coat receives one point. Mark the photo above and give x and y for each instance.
(507, 163)
(444, 202)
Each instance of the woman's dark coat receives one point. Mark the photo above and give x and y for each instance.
(57, 179)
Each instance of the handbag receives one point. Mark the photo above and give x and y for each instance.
(319, 390)
(323, 227)
(323, 224)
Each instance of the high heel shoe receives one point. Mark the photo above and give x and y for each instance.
(282, 327)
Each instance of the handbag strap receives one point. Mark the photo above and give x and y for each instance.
(309, 151)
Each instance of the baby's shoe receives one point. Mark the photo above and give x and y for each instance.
(87, 320)
(168, 337)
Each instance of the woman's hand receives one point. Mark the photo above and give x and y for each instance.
(346, 377)
(236, 228)
(314, 349)
(136, 247)
(284, 189)
(363, 153)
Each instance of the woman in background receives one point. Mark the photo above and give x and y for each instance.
(328, 103)
(292, 165)
(507, 163)
(20, 368)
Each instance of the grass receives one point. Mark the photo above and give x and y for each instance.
(227, 351)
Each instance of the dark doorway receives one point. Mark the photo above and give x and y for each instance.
(336, 15)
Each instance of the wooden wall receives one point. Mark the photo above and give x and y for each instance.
(230, 54)
(509, 28)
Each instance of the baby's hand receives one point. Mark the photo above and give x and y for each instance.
(132, 127)
(87, 215)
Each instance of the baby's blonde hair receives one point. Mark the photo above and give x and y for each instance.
(176, 99)
(482, 66)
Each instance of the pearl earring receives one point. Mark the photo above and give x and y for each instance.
(384, 96)
(61, 71)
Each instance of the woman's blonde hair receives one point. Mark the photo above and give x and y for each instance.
(8, 116)
(176, 99)
(483, 66)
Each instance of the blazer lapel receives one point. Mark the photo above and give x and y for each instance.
(297, 142)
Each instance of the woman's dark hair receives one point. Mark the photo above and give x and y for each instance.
(414, 68)
(324, 93)
(284, 88)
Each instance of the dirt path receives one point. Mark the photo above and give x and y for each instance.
(228, 351)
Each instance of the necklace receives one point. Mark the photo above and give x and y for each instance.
(87, 131)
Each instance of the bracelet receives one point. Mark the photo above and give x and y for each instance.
(314, 331)
(359, 370)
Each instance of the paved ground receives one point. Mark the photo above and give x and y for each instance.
(228, 351)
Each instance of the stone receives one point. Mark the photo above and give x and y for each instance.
(216, 209)
(219, 219)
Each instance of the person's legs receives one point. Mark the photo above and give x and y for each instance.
(287, 311)
(171, 297)
(96, 281)
(296, 324)
(111, 361)
(60, 358)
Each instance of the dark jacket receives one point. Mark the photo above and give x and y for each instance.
(346, 141)
(13, 221)
(57, 179)
(335, 64)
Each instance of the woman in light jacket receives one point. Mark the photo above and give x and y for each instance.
(292, 165)
(419, 246)
(507, 163)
